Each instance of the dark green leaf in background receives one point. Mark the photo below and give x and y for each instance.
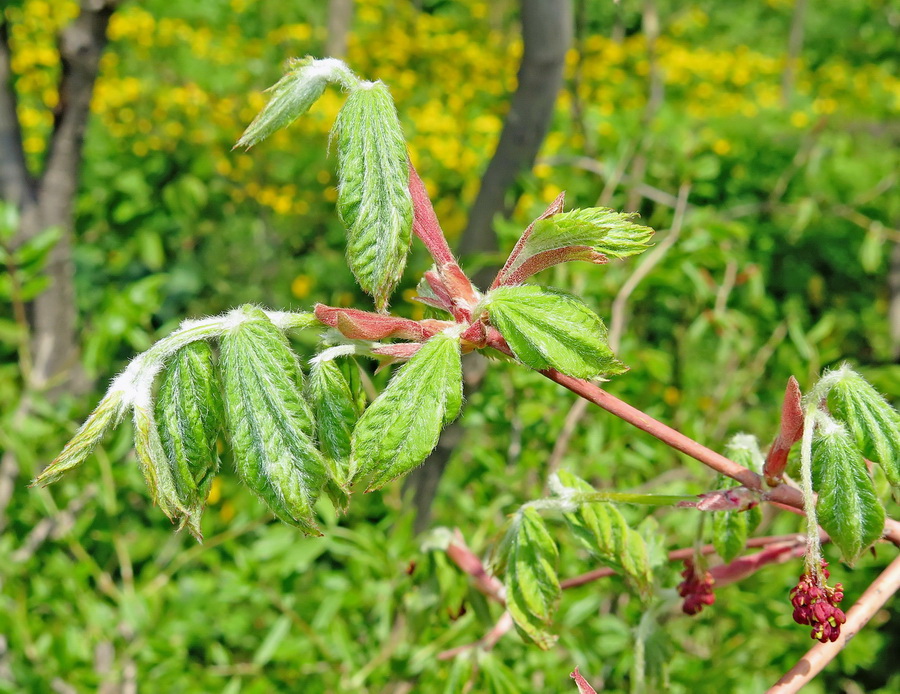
(603, 531)
(532, 584)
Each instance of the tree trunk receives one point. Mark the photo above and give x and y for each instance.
(48, 201)
(340, 19)
(547, 35)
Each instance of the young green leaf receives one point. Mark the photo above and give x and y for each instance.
(401, 427)
(873, 422)
(189, 416)
(374, 201)
(602, 530)
(732, 528)
(105, 416)
(270, 424)
(294, 93)
(154, 466)
(549, 329)
(531, 581)
(848, 508)
(336, 409)
(594, 234)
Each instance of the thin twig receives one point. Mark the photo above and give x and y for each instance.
(872, 600)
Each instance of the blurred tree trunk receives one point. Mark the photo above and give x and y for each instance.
(46, 200)
(340, 19)
(547, 35)
(795, 46)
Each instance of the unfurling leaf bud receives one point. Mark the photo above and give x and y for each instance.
(270, 424)
(189, 416)
(374, 201)
(294, 93)
(696, 588)
(336, 409)
(875, 425)
(847, 508)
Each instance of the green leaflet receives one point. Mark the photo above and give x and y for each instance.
(293, 94)
(374, 201)
(732, 528)
(189, 416)
(848, 509)
(336, 411)
(546, 328)
(401, 427)
(602, 530)
(105, 416)
(153, 463)
(595, 229)
(873, 422)
(532, 585)
(270, 425)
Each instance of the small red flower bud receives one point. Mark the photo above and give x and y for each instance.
(696, 589)
(815, 605)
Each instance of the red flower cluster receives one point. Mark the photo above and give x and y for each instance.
(696, 589)
(815, 604)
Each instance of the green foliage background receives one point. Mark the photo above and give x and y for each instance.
(780, 269)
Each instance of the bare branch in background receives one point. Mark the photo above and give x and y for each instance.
(795, 46)
(340, 20)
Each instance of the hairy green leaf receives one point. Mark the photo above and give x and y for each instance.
(401, 427)
(549, 329)
(848, 508)
(594, 234)
(532, 584)
(107, 415)
(374, 201)
(336, 409)
(189, 416)
(294, 93)
(269, 423)
(603, 531)
(873, 422)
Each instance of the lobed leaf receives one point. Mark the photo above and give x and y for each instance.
(848, 508)
(874, 424)
(270, 425)
(374, 201)
(189, 415)
(603, 531)
(401, 427)
(293, 95)
(549, 329)
(531, 581)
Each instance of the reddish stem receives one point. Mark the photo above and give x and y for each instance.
(425, 221)
(782, 493)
